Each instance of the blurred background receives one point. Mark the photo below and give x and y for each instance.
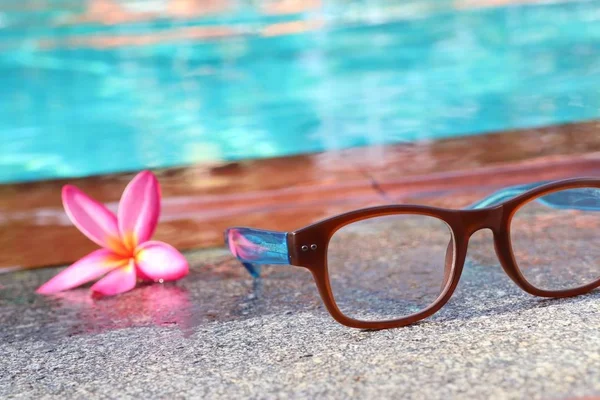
(282, 112)
(99, 86)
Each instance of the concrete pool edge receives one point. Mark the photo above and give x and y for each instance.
(287, 193)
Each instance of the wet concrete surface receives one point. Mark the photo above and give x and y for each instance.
(219, 334)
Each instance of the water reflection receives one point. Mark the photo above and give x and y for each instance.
(213, 293)
(160, 305)
(105, 86)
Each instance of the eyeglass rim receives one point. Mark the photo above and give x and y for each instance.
(516, 262)
(463, 223)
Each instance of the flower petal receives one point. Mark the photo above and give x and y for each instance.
(139, 209)
(118, 281)
(90, 267)
(158, 260)
(93, 219)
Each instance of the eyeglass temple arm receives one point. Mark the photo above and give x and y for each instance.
(505, 194)
(254, 247)
(574, 199)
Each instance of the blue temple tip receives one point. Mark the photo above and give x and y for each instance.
(253, 269)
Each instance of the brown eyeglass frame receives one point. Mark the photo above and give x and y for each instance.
(307, 247)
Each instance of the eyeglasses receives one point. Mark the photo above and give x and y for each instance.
(391, 266)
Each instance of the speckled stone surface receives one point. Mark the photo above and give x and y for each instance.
(218, 334)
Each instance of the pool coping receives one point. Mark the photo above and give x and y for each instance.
(286, 193)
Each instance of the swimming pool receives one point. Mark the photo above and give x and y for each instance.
(80, 97)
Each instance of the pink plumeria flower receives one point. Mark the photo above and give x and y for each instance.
(128, 254)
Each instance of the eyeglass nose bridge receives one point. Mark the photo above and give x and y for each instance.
(486, 218)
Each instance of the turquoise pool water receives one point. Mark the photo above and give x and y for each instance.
(82, 97)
